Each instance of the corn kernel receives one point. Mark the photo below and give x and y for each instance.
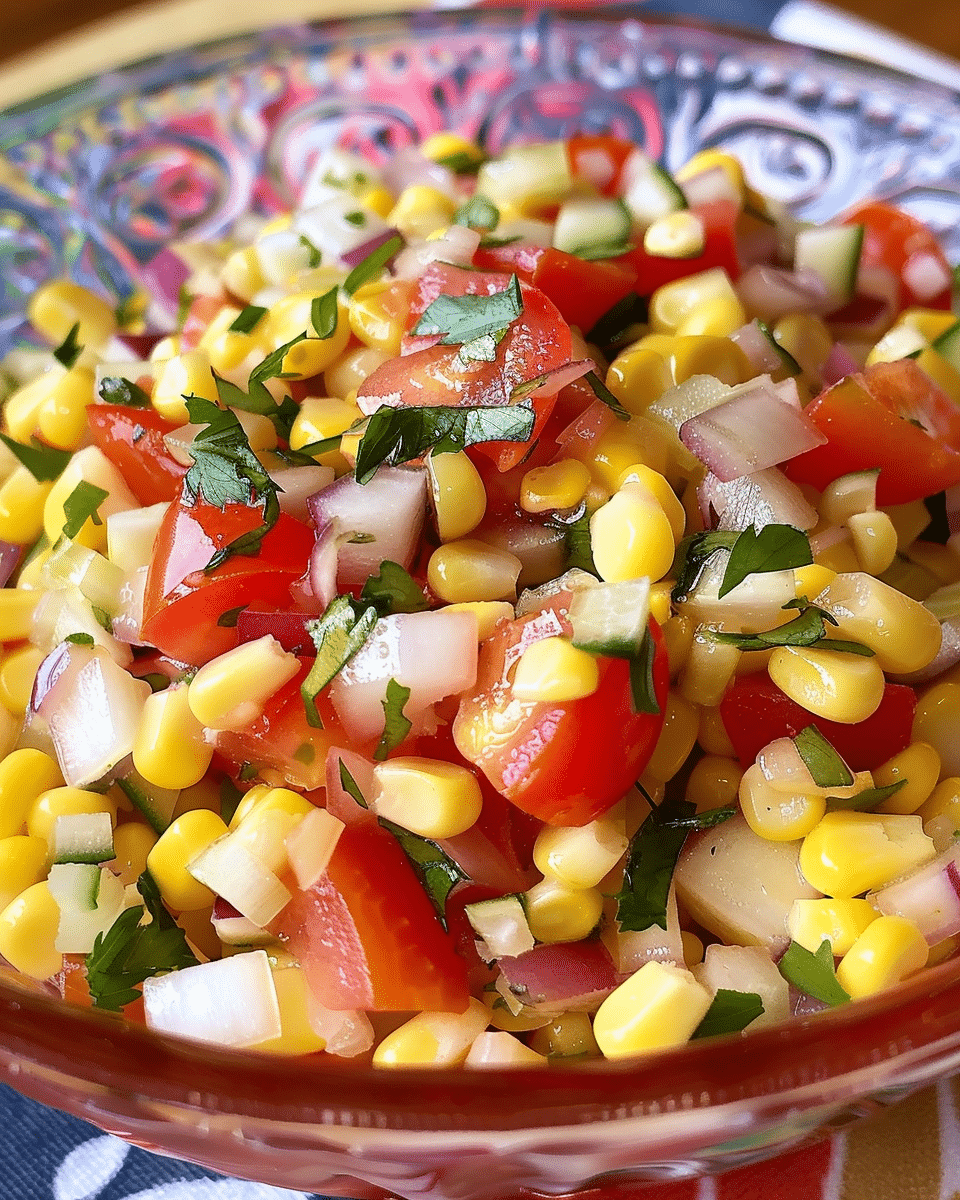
(903, 634)
(439, 146)
(432, 1039)
(21, 407)
(55, 307)
(676, 235)
(931, 322)
(252, 670)
(89, 465)
(807, 339)
(263, 829)
(567, 1035)
(132, 843)
(706, 355)
(710, 666)
(459, 497)
(378, 312)
(23, 862)
(840, 922)
(24, 775)
(562, 484)
(673, 302)
(61, 802)
(719, 317)
(186, 374)
(17, 674)
(468, 569)
(420, 210)
(178, 845)
(489, 614)
(17, 607)
(558, 913)
(21, 507)
(944, 800)
(659, 1005)
(777, 815)
(838, 686)
(631, 536)
(810, 581)
(937, 722)
(712, 735)
(874, 539)
(693, 949)
(677, 738)
(918, 767)
(714, 782)
(638, 376)
(321, 417)
(345, 376)
(554, 670)
(660, 601)
(28, 932)
(889, 949)
(169, 750)
(297, 1035)
(709, 160)
(62, 417)
(431, 798)
(678, 638)
(579, 857)
(943, 373)
(502, 1050)
(848, 853)
(241, 273)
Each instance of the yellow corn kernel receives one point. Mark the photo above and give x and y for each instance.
(612, 455)
(186, 374)
(776, 815)
(676, 235)
(659, 487)
(942, 561)
(709, 668)
(231, 690)
(874, 540)
(21, 407)
(680, 724)
(829, 683)
(291, 317)
(17, 607)
(23, 862)
(810, 581)
(432, 1039)
(671, 304)
(297, 1035)
(167, 347)
(169, 750)
(263, 830)
(807, 339)
(890, 949)
(377, 314)
(937, 721)
(659, 1005)
(177, 846)
(420, 210)
(678, 637)
(439, 146)
(489, 614)
(348, 372)
(241, 273)
(21, 507)
(250, 800)
(718, 317)
(707, 160)
(930, 322)
(631, 536)
(558, 913)
(848, 853)
(553, 669)
(944, 374)
(62, 417)
(205, 794)
(898, 342)
(132, 843)
(660, 601)
(377, 199)
(918, 767)
(499, 1049)
(903, 634)
(840, 922)
(579, 857)
(909, 520)
(28, 932)
(638, 376)
(714, 782)
(24, 775)
(841, 558)
(712, 736)
(468, 569)
(321, 417)
(55, 307)
(704, 355)
(562, 484)
(431, 798)
(17, 674)
(459, 497)
(568, 1035)
(62, 802)
(944, 801)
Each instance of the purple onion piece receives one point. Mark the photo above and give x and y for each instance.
(356, 256)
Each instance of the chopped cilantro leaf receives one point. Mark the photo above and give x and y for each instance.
(314, 255)
(462, 162)
(370, 267)
(708, 819)
(603, 394)
(822, 761)
(461, 319)
(437, 872)
(82, 504)
(324, 313)
(396, 725)
(393, 590)
(774, 548)
(808, 629)
(730, 1012)
(69, 349)
(813, 974)
(642, 689)
(248, 319)
(693, 554)
(356, 218)
(350, 785)
(651, 860)
(616, 322)
(866, 799)
(113, 389)
(230, 797)
(477, 213)
(184, 301)
(337, 635)
(43, 462)
(79, 639)
(228, 619)
(258, 400)
(578, 546)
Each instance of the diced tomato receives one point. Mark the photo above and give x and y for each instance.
(184, 603)
(891, 238)
(719, 250)
(379, 948)
(289, 628)
(538, 341)
(891, 416)
(132, 438)
(201, 312)
(564, 762)
(582, 291)
(755, 712)
(598, 158)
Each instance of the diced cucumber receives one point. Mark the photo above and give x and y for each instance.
(83, 838)
(788, 364)
(71, 565)
(612, 618)
(833, 251)
(651, 192)
(155, 804)
(590, 224)
(502, 925)
(902, 341)
(527, 177)
(75, 885)
(947, 345)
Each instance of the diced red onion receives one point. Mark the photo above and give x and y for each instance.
(324, 561)
(774, 292)
(872, 308)
(596, 167)
(390, 508)
(755, 344)
(230, 1001)
(340, 803)
(163, 278)
(930, 897)
(569, 977)
(9, 560)
(141, 345)
(749, 433)
(759, 244)
(457, 245)
(409, 166)
(926, 275)
(354, 257)
(538, 546)
(233, 928)
(839, 364)
(764, 498)
(289, 629)
(584, 432)
(482, 861)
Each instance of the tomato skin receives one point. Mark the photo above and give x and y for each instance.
(132, 438)
(867, 419)
(376, 948)
(720, 250)
(755, 712)
(603, 147)
(582, 291)
(891, 237)
(562, 762)
(183, 602)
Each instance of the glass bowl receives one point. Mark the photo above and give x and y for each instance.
(97, 180)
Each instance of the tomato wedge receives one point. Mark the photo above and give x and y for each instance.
(891, 239)
(719, 250)
(564, 762)
(598, 158)
(379, 948)
(756, 712)
(891, 416)
(132, 438)
(184, 604)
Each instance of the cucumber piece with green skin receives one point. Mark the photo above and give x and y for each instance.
(75, 886)
(611, 618)
(156, 805)
(651, 193)
(502, 925)
(833, 251)
(588, 224)
(788, 363)
(947, 345)
(83, 838)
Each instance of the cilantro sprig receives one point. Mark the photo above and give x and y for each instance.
(113, 389)
(813, 974)
(43, 462)
(865, 800)
(823, 762)
(69, 349)
(437, 872)
(350, 786)
(463, 319)
(752, 552)
(651, 859)
(808, 629)
(337, 635)
(730, 1012)
(393, 590)
(82, 504)
(396, 724)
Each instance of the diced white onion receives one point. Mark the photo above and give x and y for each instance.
(930, 897)
(346, 1032)
(763, 498)
(926, 275)
(298, 484)
(456, 245)
(502, 927)
(310, 846)
(228, 868)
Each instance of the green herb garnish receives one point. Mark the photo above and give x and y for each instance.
(866, 799)
(437, 872)
(813, 974)
(337, 635)
(730, 1012)
(113, 389)
(774, 548)
(462, 319)
(43, 462)
(808, 629)
(393, 590)
(823, 762)
(372, 265)
(477, 213)
(605, 396)
(324, 313)
(396, 725)
(350, 785)
(82, 504)
(69, 349)
(248, 319)
(651, 860)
